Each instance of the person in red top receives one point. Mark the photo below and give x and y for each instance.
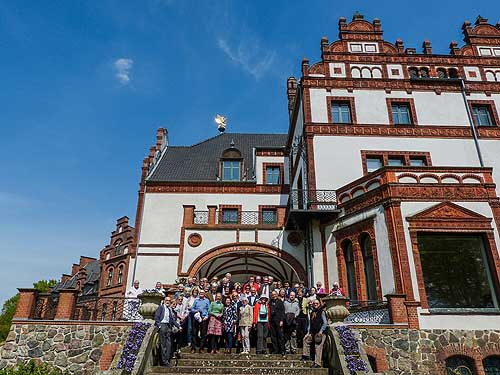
(261, 319)
(251, 284)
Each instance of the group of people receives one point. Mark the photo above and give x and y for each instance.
(225, 315)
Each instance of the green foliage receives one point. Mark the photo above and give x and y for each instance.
(8, 310)
(31, 368)
(9, 307)
(43, 286)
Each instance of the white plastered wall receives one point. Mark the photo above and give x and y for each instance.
(446, 109)
(337, 159)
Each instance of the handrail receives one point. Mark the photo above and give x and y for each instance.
(318, 200)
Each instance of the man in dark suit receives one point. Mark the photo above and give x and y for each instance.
(276, 323)
(265, 288)
(165, 320)
(253, 297)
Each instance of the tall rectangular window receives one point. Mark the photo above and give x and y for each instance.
(372, 164)
(273, 175)
(341, 113)
(482, 115)
(229, 216)
(231, 170)
(401, 114)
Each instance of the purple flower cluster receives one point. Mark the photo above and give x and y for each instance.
(355, 364)
(348, 340)
(132, 346)
(351, 349)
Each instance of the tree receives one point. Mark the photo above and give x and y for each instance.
(9, 307)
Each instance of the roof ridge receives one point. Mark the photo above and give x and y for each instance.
(222, 134)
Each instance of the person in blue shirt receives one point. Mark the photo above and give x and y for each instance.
(200, 322)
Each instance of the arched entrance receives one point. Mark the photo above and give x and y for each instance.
(245, 259)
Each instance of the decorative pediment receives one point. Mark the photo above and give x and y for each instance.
(447, 211)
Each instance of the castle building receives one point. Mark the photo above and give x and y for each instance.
(386, 182)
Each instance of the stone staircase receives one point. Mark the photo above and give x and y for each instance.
(225, 364)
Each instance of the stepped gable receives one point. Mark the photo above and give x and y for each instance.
(200, 162)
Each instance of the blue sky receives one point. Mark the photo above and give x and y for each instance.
(85, 85)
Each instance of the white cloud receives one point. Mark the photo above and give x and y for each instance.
(249, 55)
(123, 70)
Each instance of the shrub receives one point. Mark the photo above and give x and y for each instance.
(31, 368)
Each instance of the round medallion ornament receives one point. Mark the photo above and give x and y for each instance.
(194, 239)
(294, 238)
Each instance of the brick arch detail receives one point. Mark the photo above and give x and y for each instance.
(459, 350)
(380, 358)
(246, 246)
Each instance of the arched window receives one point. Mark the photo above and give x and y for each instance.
(452, 73)
(118, 248)
(492, 365)
(104, 311)
(442, 73)
(369, 267)
(110, 277)
(413, 72)
(351, 272)
(460, 365)
(120, 274)
(423, 73)
(115, 309)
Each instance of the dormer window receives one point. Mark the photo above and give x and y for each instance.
(231, 170)
(231, 164)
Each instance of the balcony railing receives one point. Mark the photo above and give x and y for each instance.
(107, 309)
(317, 200)
(234, 217)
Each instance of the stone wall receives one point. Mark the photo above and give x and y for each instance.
(77, 348)
(405, 351)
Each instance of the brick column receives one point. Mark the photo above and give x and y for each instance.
(212, 210)
(66, 304)
(397, 309)
(280, 212)
(26, 304)
(360, 270)
(412, 314)
(188, 215)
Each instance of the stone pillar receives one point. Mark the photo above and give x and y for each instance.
(397, 308)
(212, 211)
(66, 304)
(188, 214)
(26, 304)
(412, 314)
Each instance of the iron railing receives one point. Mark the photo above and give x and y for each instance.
(317, 200)
(235, 217)
(107, 309)
(368, 312)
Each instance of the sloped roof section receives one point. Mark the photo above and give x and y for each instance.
(200, 162)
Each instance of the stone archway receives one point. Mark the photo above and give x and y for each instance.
(247, 258)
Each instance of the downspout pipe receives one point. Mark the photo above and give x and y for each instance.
(471, 123)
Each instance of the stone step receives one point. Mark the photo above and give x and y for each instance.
(251, 356)
(236, 370)
(242, 362)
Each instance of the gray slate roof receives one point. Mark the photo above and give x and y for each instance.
(200, 162)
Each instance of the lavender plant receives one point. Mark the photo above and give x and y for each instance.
(355, 364)
(351, 349)
(132, 346)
